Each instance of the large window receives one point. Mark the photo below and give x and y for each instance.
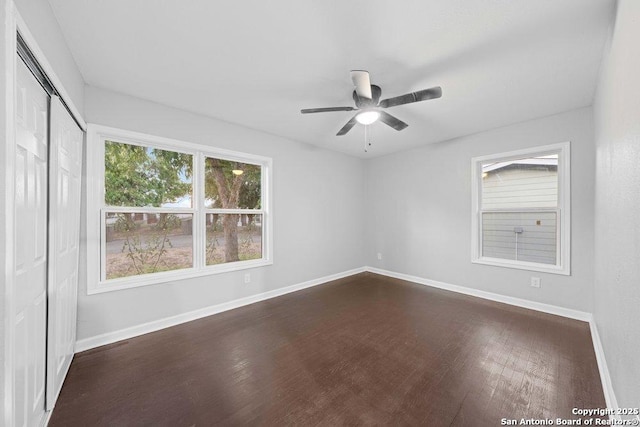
(521, 209)
(160, 210)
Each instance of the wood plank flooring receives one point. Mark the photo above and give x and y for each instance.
(364, 350)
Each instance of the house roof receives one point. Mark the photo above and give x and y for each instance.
(551, 160)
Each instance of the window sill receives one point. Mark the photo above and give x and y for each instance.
(170, 276)
(521, 265)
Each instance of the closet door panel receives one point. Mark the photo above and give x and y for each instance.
(30, 237)
(65, 175)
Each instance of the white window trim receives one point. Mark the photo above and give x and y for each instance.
(96, 136)
(563, 265)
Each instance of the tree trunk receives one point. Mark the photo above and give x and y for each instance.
(229, 193)
(230, 225)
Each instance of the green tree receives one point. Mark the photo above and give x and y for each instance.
(125, 175)
(137, 176)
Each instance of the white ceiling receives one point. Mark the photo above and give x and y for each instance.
(257, 63)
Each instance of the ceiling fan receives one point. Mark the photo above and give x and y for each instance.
(367, 99)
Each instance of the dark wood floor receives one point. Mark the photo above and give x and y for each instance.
(362, 350)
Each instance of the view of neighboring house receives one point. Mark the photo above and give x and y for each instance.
(519, 201)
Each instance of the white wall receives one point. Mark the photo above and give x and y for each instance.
(617, 204)
(3, 195)
(419, 211)
(44, 27)
(318, 226)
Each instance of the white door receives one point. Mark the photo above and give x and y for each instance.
(65, 175)
(31, 104)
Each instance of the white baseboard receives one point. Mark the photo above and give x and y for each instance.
(605, 378)
(607, 387)
(156, 325)
(519, 302)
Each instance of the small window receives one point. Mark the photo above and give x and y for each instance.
(521, 209)
(160, 210)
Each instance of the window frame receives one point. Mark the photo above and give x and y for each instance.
(563, 209)
(97, 135)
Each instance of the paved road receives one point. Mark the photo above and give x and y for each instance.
(180, 241)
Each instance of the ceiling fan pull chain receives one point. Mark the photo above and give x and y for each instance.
(367, 138)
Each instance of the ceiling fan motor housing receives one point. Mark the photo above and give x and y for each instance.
(363, 103)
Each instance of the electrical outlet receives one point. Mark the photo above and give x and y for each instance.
(535, 282)
(379, 255)
(247, 277)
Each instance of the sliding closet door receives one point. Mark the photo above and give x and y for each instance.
(30, 237)
(65, 166)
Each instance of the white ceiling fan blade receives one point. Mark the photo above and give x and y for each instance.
(362, 83)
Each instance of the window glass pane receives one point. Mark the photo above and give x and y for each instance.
(232, 185)
(522, 236)
(141, 243)
(530, 182)
(233, 237)
(144, 176)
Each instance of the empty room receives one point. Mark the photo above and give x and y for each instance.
(419, 213)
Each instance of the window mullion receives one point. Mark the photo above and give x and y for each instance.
(103, 245)
(235, 211)
(559, 231)
(125, 209)
(519, 210)
(198, 203)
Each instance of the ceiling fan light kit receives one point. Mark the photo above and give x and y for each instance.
(367, 117)
(367, 99)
